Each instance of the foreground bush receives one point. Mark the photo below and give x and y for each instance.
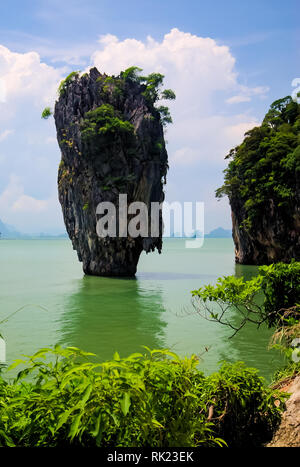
(157, 400)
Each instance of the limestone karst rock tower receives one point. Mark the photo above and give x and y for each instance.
(112, 142)
(262, 184)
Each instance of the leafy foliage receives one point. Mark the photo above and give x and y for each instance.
(284, 376)
(168, 94)
(165, 115)
(243, 409)
(287, 335)
(132, 74)
(153, 400)
(281, 286)
(153, 83)
(266, 165)
(46, 113)
(152, 93)
(65, 83)
(286, 339)
(104, 121)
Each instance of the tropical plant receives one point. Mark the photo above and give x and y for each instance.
(65, 82)
(281, 286)
(47, 112)
(242, 406)
(60, 398)
(104, 121)
(152, 92)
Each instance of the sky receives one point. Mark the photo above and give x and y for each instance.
(226, 61)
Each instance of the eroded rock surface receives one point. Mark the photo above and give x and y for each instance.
(275, 236)
(288, 433)
(262, 184)
(97, 164)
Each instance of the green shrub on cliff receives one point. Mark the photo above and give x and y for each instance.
(94, 122)
(281, 287)
(104, 121)
(152, 83)
(266, 166)
(242, 406)
(47, 112)
(131, 73)
(65, 82)
(157, 400)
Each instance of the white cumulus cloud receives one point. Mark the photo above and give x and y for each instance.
(201, 71)
(28, 213)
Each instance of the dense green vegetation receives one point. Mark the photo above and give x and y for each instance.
(104, 121)
(266, 165)
(157, 399)
(280, 308)
(103, 124)
(279, 282)
(106, 124)
(281, 288)
(151, 84)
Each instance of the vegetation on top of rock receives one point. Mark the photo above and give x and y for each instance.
(116, 84)
(104, 121)
(152, 92)
(112, 141)
(65, 82)
(266, 165)
(131, 73)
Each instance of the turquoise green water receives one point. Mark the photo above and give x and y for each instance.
(102, 315)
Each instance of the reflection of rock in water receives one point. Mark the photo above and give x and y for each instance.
(247, 272)
(106, 315)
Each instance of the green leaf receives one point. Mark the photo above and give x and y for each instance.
(75, 425)
(125, 403)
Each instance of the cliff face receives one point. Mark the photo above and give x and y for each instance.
(112, 143)
(262, 184)
(274, 237)
(288, 433)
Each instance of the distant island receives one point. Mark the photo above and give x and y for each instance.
(219, 233)
(9, 232)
